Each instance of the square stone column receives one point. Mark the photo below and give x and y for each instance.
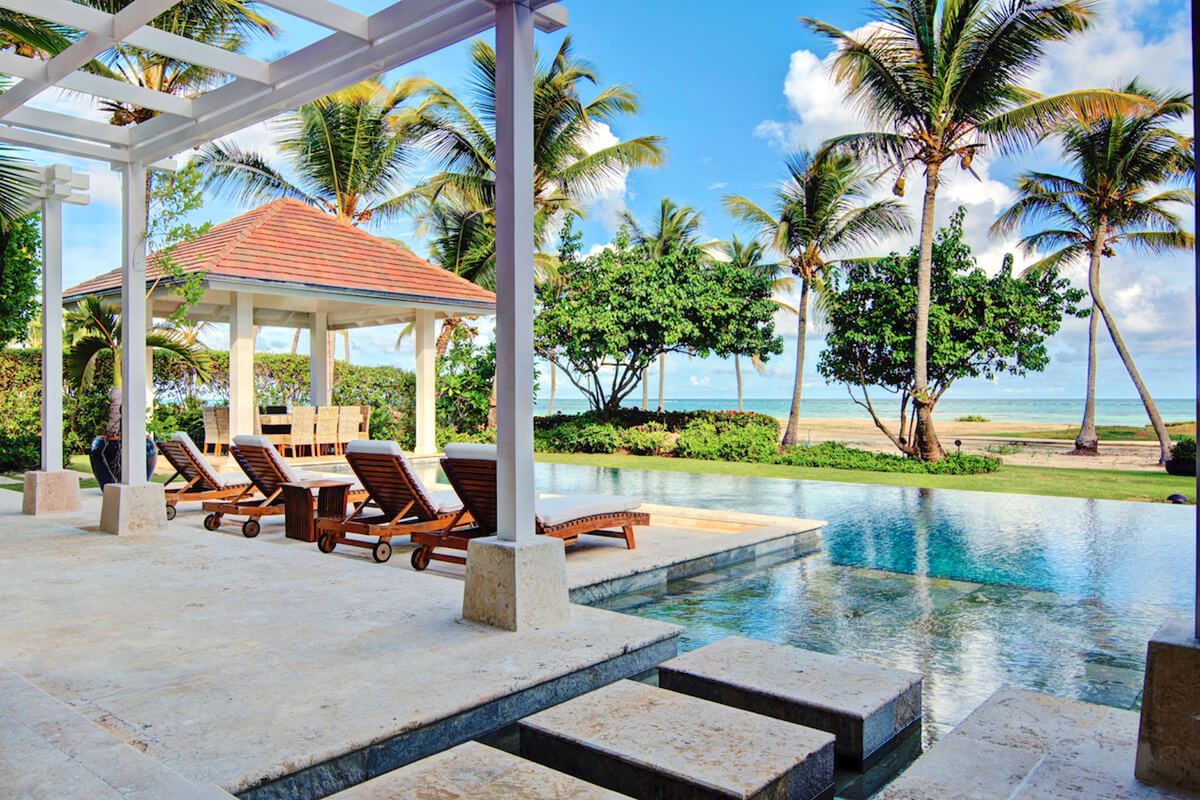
(50, 492)
(516, 585)
(130, 510)
(1168, 751)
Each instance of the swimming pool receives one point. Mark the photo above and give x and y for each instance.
(975, 590)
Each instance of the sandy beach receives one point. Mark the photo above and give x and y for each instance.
(980, 437)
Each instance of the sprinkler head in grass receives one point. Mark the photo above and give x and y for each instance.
(958, 447)
(1177, 499)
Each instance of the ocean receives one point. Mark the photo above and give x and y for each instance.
(1063, 412)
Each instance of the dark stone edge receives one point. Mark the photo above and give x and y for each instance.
(351, 769)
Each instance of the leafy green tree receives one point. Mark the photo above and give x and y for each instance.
(820, 211)
(20, 265)
(567, 168)
(982, 326)
(611, 315)
(943, 81)
(1129, 170)
(465, 375)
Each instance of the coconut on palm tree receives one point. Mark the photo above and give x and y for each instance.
(822, 209)
(1129, 171)
(675, 225)
(944, 82)
(94, 331)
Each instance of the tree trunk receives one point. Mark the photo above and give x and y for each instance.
(1160, 429)
(295, 341)
(491, 417)
(553, 387)
(346, 341)
(1087, 443)
(443, 340)
(645, 389)
(791, 434)
(112, 428)
(931, 449)
(737, 372)
(662, 374)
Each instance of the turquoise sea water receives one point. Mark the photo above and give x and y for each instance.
(975, 590)
(1065, 412)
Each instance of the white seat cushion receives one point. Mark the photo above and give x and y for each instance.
(471, 452)
(232, 479)
(380, 446)
(253, 441)
(445, 501)
(557, 510)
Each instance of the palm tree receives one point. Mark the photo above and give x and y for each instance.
(350, 153)
(751, 256)
(94, 330)
(16, 188)
(676, 225)
(1119, 194)
(943, 81)
(460, 211)
(820, 209)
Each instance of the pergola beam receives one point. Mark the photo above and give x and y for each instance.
(326, 14)
(56, 144)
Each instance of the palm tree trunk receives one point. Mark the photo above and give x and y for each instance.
(662, 374)
(1160, 429)
(346, 341)
(295, 341)
(443, 341)
(737, 372)
(553, 387)
(927, 442)
(1087, 443)
(645, 388)
(792, 434)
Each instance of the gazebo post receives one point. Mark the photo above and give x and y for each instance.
(320, 392)
(241, 365)
(426, 372)
(134, 505)
(53, 490)
(515, 579)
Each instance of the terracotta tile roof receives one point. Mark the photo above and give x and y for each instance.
(286, 242)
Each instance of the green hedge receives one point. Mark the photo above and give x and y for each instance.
(836, 455)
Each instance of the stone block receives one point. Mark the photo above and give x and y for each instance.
(516, 585)
(1168, 751)
(473, 770)
(864, 705)
(54, 492)
(131, 510)
(649, 742)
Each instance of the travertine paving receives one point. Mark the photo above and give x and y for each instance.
(471, 771)
(1022, 745)
(864, 705)
(650, 742)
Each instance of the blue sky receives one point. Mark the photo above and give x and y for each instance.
(731, 91)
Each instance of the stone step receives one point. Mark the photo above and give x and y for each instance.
(648, 742)
(1021, 745)
(864, 705)
(472, 771)
(49, 751)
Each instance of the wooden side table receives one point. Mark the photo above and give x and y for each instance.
(299, 514)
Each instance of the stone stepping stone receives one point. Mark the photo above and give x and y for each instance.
(648, 742)
(471, 771)
(864, 705)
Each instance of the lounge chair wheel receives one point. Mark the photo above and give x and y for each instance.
(326, 542)
(170, 513)
(382, 551)
(250, 528)
(212, 522)
(419, 560)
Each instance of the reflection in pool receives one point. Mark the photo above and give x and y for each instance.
(975, 590)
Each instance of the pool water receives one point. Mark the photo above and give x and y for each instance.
(975, 590)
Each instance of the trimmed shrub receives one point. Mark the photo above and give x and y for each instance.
(20, 452)
(578, 434)
(722, 440)
(1184, 449)
(650, 439)
(835, 455)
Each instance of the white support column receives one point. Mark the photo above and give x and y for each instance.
(52, 336)
(149, 362)
(241, 365)
(133, 325)
(320, 391)
(516, 580)
(426, 385)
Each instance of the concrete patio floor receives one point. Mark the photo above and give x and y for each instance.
(270, 669)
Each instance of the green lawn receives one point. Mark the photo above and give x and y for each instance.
(1055, 481)
(79, 464)
(1107, 433)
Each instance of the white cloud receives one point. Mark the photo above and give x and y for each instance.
(718, 186)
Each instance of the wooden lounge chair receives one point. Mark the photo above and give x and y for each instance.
(268, 472)
(471, 469)
(402, 505)
(202, 481)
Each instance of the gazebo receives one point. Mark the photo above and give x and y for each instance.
(286, 264)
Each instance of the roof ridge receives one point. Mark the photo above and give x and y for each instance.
(266, 212)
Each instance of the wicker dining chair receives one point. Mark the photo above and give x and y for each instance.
(349, 424)
(222, 414)
(327, 429)
(303, 434)
(211, 438)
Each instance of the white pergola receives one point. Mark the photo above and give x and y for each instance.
(358, 47)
